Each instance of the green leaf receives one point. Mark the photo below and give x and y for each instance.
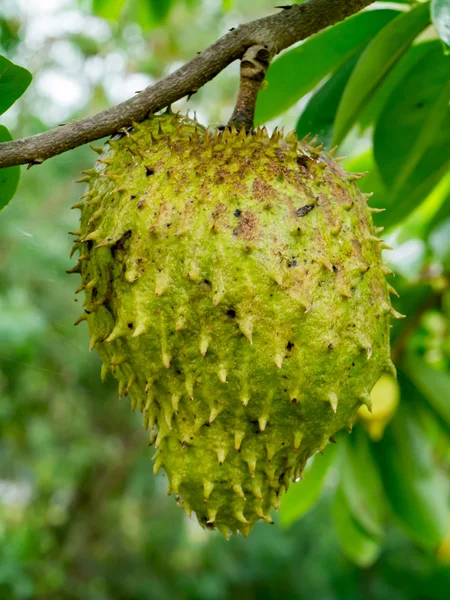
(372, 183)
(108, 9)
(440, 13)
(299, 70)
(360, 547)
(14, 80)
(377, 60)
(433, 384)
(361, 483)
(319, 114)
(412, 136)
(302, 495)
(417, 224)
(423, 220)
(370, 114)
(413, 297)
(415, 488)
(9, 177)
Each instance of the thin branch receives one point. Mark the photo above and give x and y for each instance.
(276, 32)
(254, 65)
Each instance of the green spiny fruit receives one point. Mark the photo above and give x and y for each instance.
(235, 288)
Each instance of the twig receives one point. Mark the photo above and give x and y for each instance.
(276, 32)
(254, 65)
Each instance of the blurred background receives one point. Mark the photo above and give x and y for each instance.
(81, 514)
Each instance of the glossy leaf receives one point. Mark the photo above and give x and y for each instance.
(298, 71)
(377, 60)
(14, 80)
(9, 177)
(433, 384)
(412, 136)
(382, 198)
(425, 220)
(320, 112)
(302, 495)
(362, 548)
(371, 112)
(440, 13)
(361, 483)
(415, 488)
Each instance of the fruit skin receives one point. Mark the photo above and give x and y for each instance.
(234, 286)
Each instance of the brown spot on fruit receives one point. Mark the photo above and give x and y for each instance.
(248, 227)
(262, 191)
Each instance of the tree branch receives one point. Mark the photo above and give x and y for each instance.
(275, 32)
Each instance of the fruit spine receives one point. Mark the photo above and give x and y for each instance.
(234, 286)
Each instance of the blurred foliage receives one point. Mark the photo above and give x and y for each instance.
(81, 515)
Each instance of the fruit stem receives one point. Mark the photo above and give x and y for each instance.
(254, 65)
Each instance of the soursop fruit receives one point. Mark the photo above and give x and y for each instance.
(234, 286)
